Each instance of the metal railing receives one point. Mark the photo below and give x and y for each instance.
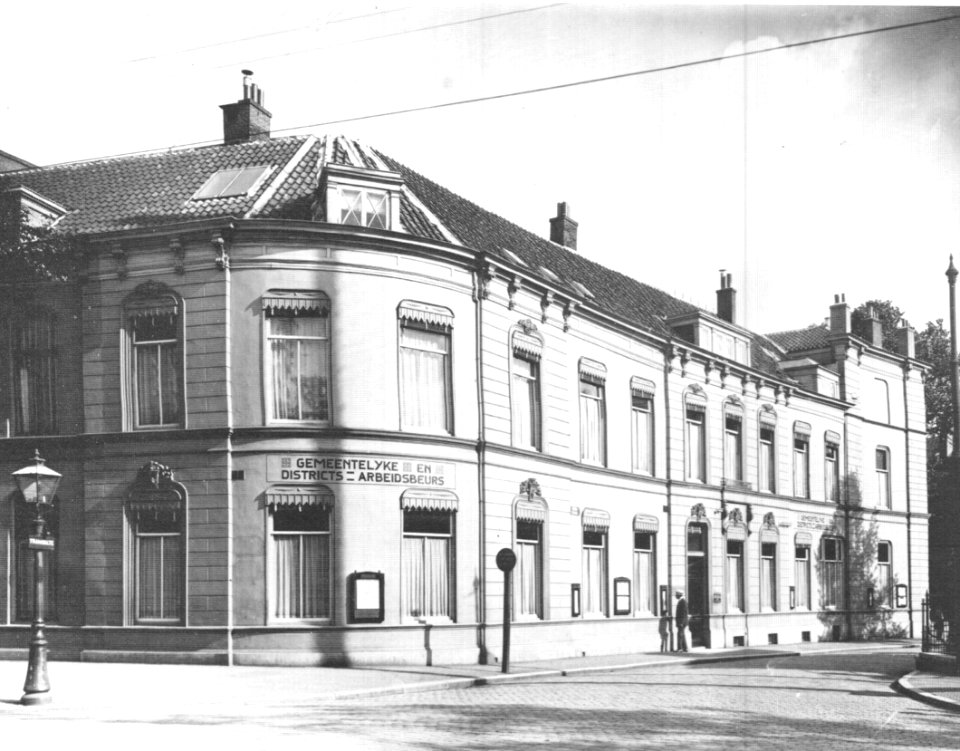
(941, 626)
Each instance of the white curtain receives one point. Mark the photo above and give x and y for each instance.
(591, 423)
(423, 379)
(35, 381)
(643, 438)
(768, 582)
(695, 446)
(148, 384)
(299, 349)
(734, 581)
(800, 469)
(594, 581)
(731, 451)
(643, 576)
(527, 580)
(426, 577)
(316, 576)
(302, 583)
(169, 385)
(767, 464)
(525, 408)
(832, 583)
(157, 576)
(802, 576)
(833, 484)
(287, 582)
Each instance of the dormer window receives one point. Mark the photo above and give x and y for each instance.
(359, 197)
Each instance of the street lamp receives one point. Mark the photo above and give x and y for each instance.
(38, 484)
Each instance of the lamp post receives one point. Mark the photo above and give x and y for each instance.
(38, 484)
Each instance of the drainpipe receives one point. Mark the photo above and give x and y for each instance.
(668, 350)
(228, 396)
(906, 446)
(479, 292)
(845, 499)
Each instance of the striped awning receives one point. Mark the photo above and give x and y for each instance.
(432, 315)
(595, 520)
(642, 387)
(527, 345)
(644, 523)
(531, 511)
(593, 371)
(733, 409)
(695, 400)
(152, 307)
(768, 417)
(769, 534)
(832, 436)
(296, 302)
(737, 532)
(312, 496)
(802, 429)
(804, 538)
(429, 500)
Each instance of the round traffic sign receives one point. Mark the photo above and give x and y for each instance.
(506, 559)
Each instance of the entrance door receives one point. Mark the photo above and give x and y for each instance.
(698, 584)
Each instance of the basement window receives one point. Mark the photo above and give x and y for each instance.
(232, 182)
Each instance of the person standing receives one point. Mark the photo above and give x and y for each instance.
(682, 618)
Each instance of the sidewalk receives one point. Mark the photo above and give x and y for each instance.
(143, 692)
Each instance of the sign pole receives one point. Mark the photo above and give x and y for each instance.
(506, 560)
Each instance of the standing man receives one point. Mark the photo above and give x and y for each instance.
(680, 613)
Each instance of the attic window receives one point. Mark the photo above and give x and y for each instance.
(364, 208)
(232, 182)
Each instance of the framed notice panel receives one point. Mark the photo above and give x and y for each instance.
(621, 596)
(365, 597)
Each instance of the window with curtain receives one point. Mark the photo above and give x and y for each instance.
(642, 433)
(696, 444)
(831, 572)
(885, 574)
(735, 601)
(768, 576)
(24, 514)
(299, 342)
(427, 583)
(592, 422)
(767, 458)
(158, 565)
(645, 572)
(883, 477)
(34, 382)
(302, 562)
(594, 583)
(425, 389)
(157, 371)
(528, 574)
(733, 447)
(525, 400)
(831, 471)
(801, 466)
(801, 573)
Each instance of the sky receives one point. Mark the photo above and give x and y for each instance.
(806, 150)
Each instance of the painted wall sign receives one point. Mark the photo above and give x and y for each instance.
(368, 470)
(813, 521)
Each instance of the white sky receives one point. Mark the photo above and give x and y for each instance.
(807, 171)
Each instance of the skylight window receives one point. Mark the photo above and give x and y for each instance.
(232, 182)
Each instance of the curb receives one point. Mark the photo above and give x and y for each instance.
(903, 686)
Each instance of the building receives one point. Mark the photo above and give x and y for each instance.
(301, 396)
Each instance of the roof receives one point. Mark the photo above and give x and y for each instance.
(802, 340)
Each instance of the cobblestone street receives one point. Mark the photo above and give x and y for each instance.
(817, 701)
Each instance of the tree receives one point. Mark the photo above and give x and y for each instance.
(888, 313)
(31, 249)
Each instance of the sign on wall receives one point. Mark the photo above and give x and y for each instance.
(366, 470)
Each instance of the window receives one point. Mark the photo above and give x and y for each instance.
(593, 447)
(24, 515)
(767, 453)
(831, 471)
(801, 573)
(883, 477)
(35, 384)
(302, 561)
(641, 394)
(154, 333)
(596, 525)
(733, 445)
(645, 571)
(735, 600)
(158, 565)
(364, 208)
(768, 575)
(427, 578)
(525, 390)
(696, 442)
(885, 573)
(528, 577)
(831, 572)
(425, 371)
(801, 460)
(232, 182)
(298, 337)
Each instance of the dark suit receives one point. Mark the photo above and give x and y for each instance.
(682, 620)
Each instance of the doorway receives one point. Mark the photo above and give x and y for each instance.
(698, 583)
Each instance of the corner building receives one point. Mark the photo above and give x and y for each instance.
(301, 396)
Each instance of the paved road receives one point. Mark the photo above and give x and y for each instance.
(797, 703)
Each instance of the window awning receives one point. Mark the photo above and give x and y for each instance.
(802, 429)
(768, 417)
(433, 315)
(312, 496)
(644, 523)
(769, 534)
(804, 538)
(526, 345)
(733, 409)
(595, 520)
(429, 500)
(737, 532)
(695, 400)
(642, 387)
(296, 302)
(531, 511)
(153, 307)
(593, 371)
(832, 436)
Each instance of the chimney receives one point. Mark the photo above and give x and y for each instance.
(839, 315)
(906, 339)
(563, 230)
(248, 119)
(872, 328)
(726, 298)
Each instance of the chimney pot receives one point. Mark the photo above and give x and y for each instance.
(246, 120)
(906, 340)
(726, 298)
(563, 229)
(839, 315)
